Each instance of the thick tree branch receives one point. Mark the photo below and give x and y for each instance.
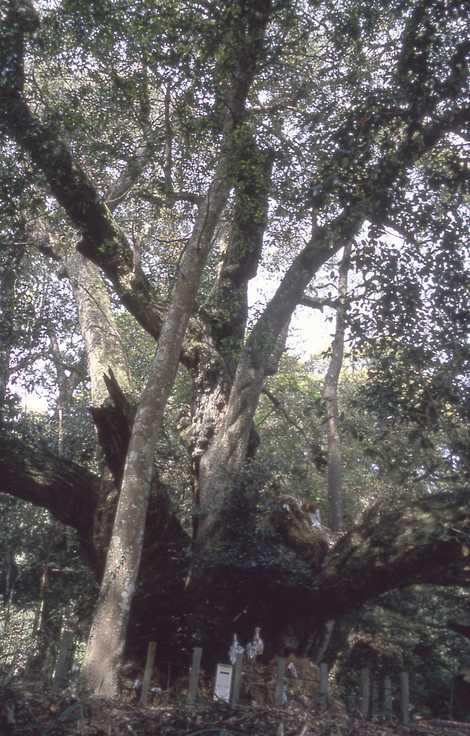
(414, 542)
(228, 305)
(103, 241)
(272, 365)
(67, 490)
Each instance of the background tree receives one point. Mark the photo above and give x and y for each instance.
(330, 393)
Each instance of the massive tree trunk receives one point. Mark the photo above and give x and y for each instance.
(108, 633)
(221, 464)
(389, 549)
(225, 320)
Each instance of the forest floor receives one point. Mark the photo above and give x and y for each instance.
(29, 709)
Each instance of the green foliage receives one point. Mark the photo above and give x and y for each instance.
(414, 337)
(378, 460)
(31, 543)
(289, 417)
(408, 631)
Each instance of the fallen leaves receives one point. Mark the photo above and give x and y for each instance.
(29, 709)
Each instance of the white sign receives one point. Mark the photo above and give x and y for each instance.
(223, 681)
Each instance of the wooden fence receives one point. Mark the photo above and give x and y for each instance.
(374, 699)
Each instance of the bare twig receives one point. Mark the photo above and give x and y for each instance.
(318, 302)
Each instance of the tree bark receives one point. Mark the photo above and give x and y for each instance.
(221, 465)
(98, 327)
(425, 542)
(330, 395)
(10, 260)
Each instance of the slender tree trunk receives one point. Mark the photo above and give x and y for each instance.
(10, 260)
(11, 573)
(65, 653)
(46, 628)
(330, 394)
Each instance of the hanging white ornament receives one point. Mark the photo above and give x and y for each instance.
(235, 650)
(255, 648)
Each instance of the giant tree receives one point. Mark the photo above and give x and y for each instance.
(243, 133)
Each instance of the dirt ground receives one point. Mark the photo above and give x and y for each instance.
(29, 709)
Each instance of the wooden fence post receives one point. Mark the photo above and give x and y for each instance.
(237, 681)
(64, 659)
(281, 671)
(351, 699)
(148, 672)
(452, 696)
(374, 711)
(388, 701)
(323, 694)
(194, 675)
(405, 698)
(365, 693)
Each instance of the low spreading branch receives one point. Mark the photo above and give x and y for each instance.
(67, 490)
(414, 542)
